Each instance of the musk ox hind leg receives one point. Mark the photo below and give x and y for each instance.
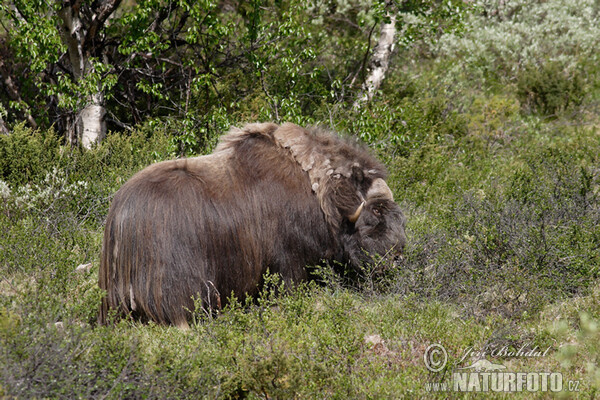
(153, 263)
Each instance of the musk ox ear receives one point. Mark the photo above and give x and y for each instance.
(379, 189)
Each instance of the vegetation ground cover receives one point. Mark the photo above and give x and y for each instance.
(493, 149)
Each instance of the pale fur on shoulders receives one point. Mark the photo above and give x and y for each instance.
(316, 151)
(326, 158)
(311, 155)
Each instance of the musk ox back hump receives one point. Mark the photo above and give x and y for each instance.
(269, 197)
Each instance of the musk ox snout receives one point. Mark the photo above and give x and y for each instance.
(269, 197)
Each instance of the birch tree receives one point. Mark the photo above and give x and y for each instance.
(152, 58)
(194, 66)
(417, 19)
(380, 60)
(81, 29)
(60, 46)
(3, 128)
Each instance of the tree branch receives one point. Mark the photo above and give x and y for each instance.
(102, 10)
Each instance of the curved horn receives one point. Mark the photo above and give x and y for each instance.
(380, 189)
(354, 217)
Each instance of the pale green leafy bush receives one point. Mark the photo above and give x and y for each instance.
(505, 37)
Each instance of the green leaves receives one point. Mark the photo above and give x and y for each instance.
(33, 34)
(155, 59)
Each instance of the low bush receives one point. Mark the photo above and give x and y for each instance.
(525, 236)
(27, 155)
(550, 89)
(503, 38)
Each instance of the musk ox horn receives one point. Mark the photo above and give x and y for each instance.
(380, 189)
(354, 217)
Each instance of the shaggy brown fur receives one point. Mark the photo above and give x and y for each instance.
(269, 197)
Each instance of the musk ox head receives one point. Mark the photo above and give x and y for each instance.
(376, 227)
(269, 197)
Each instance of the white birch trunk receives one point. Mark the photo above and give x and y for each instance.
(90, 125)
(3, 128)
(379, 63)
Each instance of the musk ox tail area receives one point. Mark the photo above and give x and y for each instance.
(150, 243)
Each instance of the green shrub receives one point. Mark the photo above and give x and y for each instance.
(576, 323)
(550, 89)
(503, 38)
(52, 221)
(494, 117)
(27, 155)
(477, 227)
(399, 128)
(70, 361)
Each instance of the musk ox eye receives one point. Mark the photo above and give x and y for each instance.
(378, 209)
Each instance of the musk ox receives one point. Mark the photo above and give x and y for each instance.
(269, 197)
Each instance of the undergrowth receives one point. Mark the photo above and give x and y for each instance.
(496, 165)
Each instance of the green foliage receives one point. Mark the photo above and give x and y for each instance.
(501, 219)
(503, 205)
(33, 34)
(550, 89)
(494, 118)
(198, 134)
(576, 323)
(27, 155)
(201, 62)
(540, 45)
(73, 95)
